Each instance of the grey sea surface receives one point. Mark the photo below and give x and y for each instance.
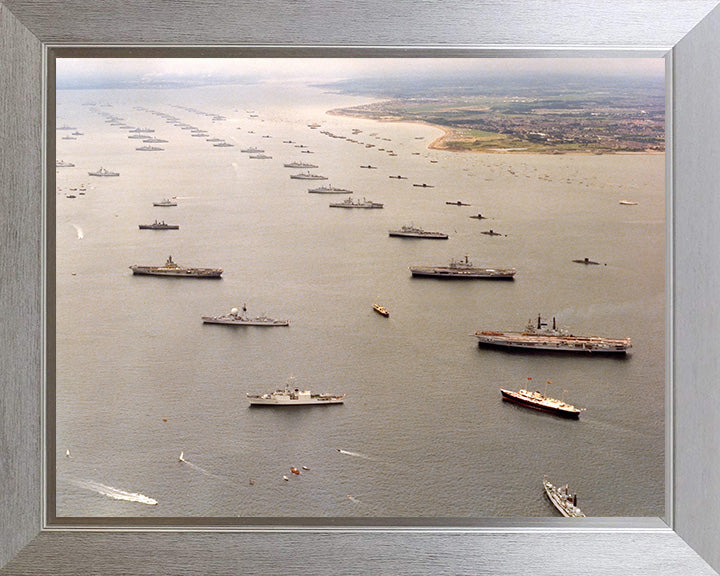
(423, 432)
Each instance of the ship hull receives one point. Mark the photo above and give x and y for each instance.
(549, 344)
(310, 402)
(151, 227)
(412, 235)
(463, 275)
(508, 397)
(231, 322)
(187, 273)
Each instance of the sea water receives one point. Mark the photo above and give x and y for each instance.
(423, 432)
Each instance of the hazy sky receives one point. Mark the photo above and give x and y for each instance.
(92, 70)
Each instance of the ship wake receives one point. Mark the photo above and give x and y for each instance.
(355, 454)
(80, 233)
(115, 493)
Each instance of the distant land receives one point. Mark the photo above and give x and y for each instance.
(540, 114)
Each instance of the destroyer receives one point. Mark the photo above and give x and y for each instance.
(170, 268)
(329, 190)
(350, 203)
(539, 337)
(235, 318)
(299, 165)
(463, 269)
(294, 397)
(165, 202)
(103, 172)
(307, 176)
(538, 401)
(417, 232)
(159, 226)
(561, 498)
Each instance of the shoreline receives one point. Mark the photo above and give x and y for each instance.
(447, 133)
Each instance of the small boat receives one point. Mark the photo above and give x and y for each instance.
(165, 202)
(563, 501)
(381, 310)
(586, 261)
(159, 226)
(295, 471)
(457, 203)
(627, 203)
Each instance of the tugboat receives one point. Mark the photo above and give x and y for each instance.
(561, 498)
(545, 339)
(538, 401)
(103, 172)
(294, 397)
(159, 226)
(417, 232)
(350, 203)
(463, 269)
(170, 268)
(328, 190)
(235, 318)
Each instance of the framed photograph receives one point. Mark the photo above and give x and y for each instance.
(529, 162)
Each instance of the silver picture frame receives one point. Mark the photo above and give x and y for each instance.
(683, 542)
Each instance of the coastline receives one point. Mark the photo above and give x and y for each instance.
(452, 134)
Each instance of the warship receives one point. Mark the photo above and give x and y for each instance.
(381, 310)
(417, 232)
(299, 165)
(541, 338)
(294, 397)
(63, 164)
(165, 202)
(149, 148)
(235, 318)
(350, 203)
(162, 225)
(329, 190)
(103, 172)
(170, 268)
(561, 498)
(463, 269)
(307, 176)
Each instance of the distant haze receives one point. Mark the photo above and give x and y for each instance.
(74, 73)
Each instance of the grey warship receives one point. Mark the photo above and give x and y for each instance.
(463, 269)
(170, 268)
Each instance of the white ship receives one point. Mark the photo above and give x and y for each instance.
(103, 172)
(561, 498)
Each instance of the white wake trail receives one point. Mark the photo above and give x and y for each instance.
(115, 493)
(80, 233)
